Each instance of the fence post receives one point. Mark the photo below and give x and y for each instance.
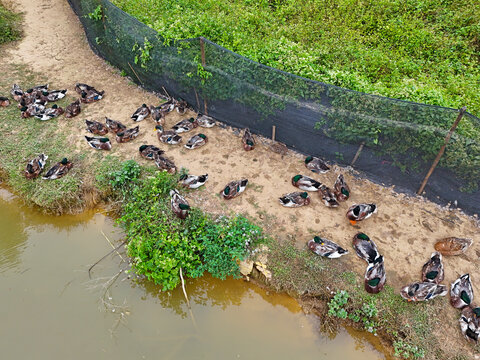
(202, 53)
(442, 149)
(357, 154)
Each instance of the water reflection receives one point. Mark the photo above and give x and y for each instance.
(59, 312)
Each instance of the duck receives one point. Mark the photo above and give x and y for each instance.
(55, 95)
(453, 246)
(365, 248)
(38, 97)
(157, 114)
(179, 205)
(196, 141)
(193, 181)
(423, 291)
(58, 170)
(31, 110)
(35, 166)
(326, 248)
(305, 183)
(79, 88)
(167, 106)
(4, 101)
(341, 189)
(185, 125)
(375, 276)
(295, 199)
(141, 113)
(432, 270)
(73, 109)
(234, 189)
(40, 88)
(461, 292)
(49, 113)
(316, 165)
(205, 121)
(16, 92)
(164, 163)
(248, 140)
(169, 137)
(127, 135)
(96, 127)
(470, 323)
(328, 197)
(149, 151)
(99, 143)
(91, 96)
(181, 106)
(114, 126)
(359, 212)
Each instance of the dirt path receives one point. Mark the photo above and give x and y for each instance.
(405, 229)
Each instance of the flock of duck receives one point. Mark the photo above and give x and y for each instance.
(34, 103)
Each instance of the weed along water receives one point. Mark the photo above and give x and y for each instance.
(53, 310)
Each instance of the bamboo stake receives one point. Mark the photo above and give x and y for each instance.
(360, 148)
(194, 322)
(135, 73)
(442, 149)
(183, 288)
(204, 63)
(273, 132)
(111, 244)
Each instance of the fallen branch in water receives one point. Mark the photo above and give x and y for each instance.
(103, 257)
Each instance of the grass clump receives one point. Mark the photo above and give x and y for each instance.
(9, 25)
(424, 51)
(160, 244)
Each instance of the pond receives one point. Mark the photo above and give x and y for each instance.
(51, 309)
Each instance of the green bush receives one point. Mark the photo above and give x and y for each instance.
(160, 244)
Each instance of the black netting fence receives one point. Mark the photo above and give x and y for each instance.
(400, 138)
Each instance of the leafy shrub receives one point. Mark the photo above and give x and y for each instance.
(160, 244)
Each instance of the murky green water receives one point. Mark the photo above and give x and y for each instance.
(50, 309)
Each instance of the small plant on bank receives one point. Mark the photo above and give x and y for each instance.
(335, 306)
(407, 351)
(365, 315)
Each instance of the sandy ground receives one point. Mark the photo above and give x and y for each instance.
(405, 229)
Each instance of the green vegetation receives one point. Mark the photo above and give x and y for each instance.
(9, 25)
(410, 328)
(160, 244)
(425, 51)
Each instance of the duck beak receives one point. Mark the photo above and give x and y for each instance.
(353, 222)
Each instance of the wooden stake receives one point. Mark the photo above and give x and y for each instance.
(442, 149)
(135, 73)
(196, 97)
(273, 132)
(204, 63)
(183, 287)
(360, 148)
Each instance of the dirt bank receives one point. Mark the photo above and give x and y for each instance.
(405, 229)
